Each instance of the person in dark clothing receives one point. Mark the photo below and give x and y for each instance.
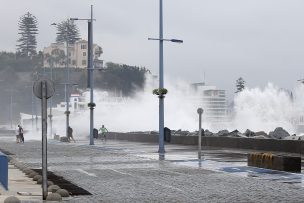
(70, 134)
(20, 131)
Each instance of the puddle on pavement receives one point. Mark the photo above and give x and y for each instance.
(235, 166)
(241, 169)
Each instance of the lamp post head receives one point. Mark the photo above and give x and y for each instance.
(177, 40)
(200, 111)
(73, 18)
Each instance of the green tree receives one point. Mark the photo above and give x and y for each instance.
(56, 58)
(67, 31)
(240, 85)
(28, 30)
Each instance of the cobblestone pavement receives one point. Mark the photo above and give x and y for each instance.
(131, 172)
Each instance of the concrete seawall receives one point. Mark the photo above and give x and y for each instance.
(290, 146)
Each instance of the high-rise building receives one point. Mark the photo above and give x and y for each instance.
(212, 100)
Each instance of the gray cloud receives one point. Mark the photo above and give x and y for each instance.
(259, 40)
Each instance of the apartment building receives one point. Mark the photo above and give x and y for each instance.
(54, 55)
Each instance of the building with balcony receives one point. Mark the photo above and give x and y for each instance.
(55, 55)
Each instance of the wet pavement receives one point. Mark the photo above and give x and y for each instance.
(121, 171)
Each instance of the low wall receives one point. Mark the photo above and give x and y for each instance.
(290, 146)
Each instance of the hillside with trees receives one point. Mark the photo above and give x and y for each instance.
(17, 74)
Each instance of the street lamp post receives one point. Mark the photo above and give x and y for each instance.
(11, 110)
(90, 69)
(161, 149)
(200, 112)
(67, 78)
(51, 103)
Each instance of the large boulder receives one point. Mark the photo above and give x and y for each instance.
(222, 133)
(279, 133)
(261, 135)
(208, 133)
(235, 133)
(249, 133)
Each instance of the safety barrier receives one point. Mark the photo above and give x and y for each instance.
(4, 170)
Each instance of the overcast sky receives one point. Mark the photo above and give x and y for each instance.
(260, 40)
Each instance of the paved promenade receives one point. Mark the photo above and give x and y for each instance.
(118, 171)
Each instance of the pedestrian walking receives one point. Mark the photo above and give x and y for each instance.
(70, 134)
(20, 132)
(103, 130)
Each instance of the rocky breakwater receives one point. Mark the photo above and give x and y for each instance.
(278, 133)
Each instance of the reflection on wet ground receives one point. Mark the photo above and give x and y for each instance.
(227, 161)
(220, 160)
(241, 169)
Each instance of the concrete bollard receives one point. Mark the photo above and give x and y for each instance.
(53, 188)
(50, 183)
(31, 175)
(63, 193)
(29, 171)
(37, 177)
(12, 199)
(54, 197)
(39, 181)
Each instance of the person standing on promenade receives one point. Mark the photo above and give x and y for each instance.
(20, 133)
(70, 134)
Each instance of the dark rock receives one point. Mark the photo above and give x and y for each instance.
(261, 134)
(222, 133)
(279, 133)
(235, 133)
(208, 133)
(249, 133)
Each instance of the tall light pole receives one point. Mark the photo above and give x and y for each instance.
(67, 79)
(161, 149)
(51, 103)
(90, 69)
(11, 110)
